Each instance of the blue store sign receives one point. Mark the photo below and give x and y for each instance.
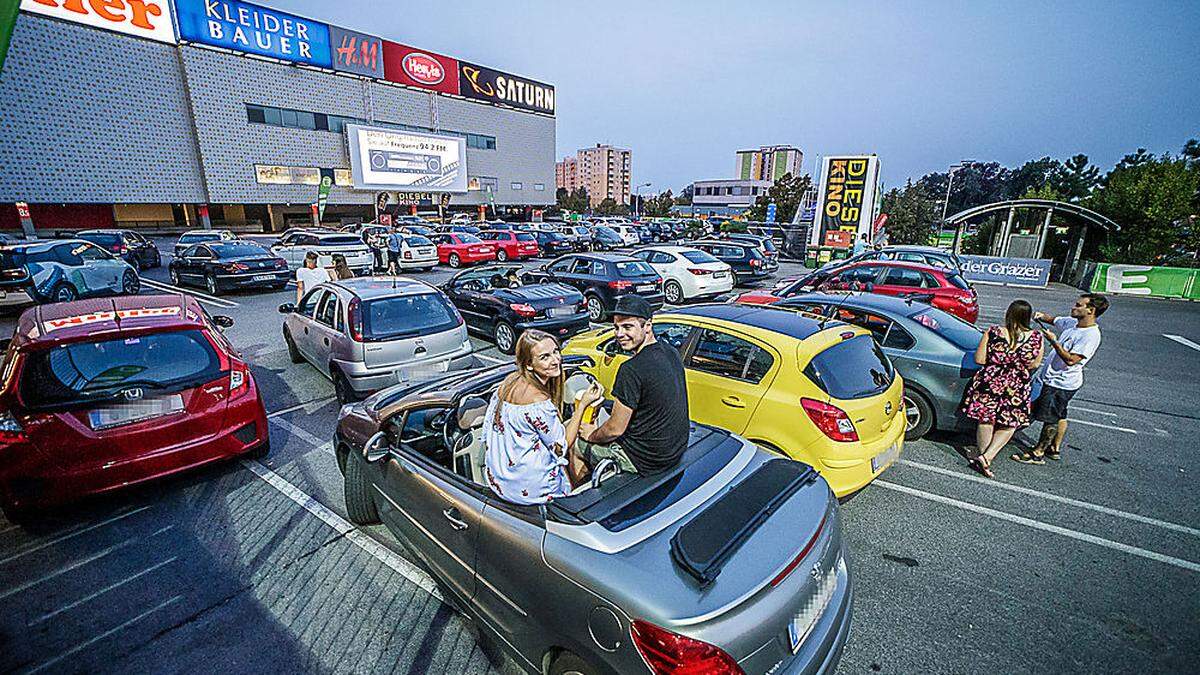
(1011, 271)
(254, 29)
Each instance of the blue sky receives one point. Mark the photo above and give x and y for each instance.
(921, 84)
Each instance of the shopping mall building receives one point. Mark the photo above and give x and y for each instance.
(168, 114)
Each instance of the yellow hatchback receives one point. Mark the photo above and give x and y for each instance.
(816, 390)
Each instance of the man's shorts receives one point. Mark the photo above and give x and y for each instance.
(593, 453)
(1051, 406)
(393, 257)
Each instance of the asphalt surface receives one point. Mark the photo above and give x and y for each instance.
(1091, 564)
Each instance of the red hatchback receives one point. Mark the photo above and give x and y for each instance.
(511, 245)
(459, 248)
(942, 288)
(101, 394)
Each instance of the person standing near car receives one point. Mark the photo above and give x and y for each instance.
(1078, 340)
(860, 245)
(309, 276)
(647, 430)
(394, 241)
(341, 270)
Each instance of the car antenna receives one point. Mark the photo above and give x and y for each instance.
(845, 297)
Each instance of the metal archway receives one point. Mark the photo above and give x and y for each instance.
(1001, 247)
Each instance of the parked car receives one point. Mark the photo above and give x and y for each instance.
(765, 244)
(644, 233)
(294, 248)
(816, 391)
(127, 245)
(461, 229)
(417, 253)
(196, 236)
(419, 230)
(461, 249)
(108, 393)
(604, 238)
(552, 243)
(688, 273)
(582, 234)
(660, 231)
(511, 244)
(936, 286)
(921, 255)
(369, 333)
(602, 278)
(732, 561)
(628, 233)
(502, 311)
(221, 266)
(62, 271)
(745, 258)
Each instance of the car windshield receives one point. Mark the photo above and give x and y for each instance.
(340, 240)
(407, 315)
(553, 236)
(86, 372)
(417, 241)
(468, 238)
(854, 368)
(238, 250)
(699, 257)
(102, 239)
(960, 333)
(634, 268)
(202, 236)
(607, 232)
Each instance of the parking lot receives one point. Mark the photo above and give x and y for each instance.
(1091, 564)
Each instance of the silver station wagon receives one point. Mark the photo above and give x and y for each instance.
(731, 562)
(368, 333)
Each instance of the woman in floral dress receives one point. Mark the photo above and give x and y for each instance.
(998, 395)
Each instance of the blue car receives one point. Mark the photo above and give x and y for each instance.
(62, 271)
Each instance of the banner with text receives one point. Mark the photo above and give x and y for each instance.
(149, 18)
(1157, 282)
(847, 197)
(1007, 271)
(493, 86)
(418, 68)
(389, 159)
(255, 29)
(356, 53)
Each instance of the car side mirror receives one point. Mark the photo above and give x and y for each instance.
(376, 448)
(287, 308)
(222, 321)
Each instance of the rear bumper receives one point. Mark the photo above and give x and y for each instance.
(15, 297)
(713, 286)
(365, 380)
(848, 475)
(247, 280)
(417, 263)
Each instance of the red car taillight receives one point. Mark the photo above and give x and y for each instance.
(237, 267)
(830, 419)
(966, 299)
(699, 272)
(668, 653)
(756, 262)
(620, 285)
(354, 310)
(408, 255)
(239, 379)
(523, 309)
(11, 430)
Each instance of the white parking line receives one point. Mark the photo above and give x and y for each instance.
(202, 297)
(1183, 341)
(63, 537)
(77, 564)
(299, 406)
(1086, 423)
(88, 643)
(356, 536)
(1052, 497)
(1094, 411)
(1045, 527)
(102, 591)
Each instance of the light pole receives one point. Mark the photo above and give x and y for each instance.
(636, 205)
(946, 202)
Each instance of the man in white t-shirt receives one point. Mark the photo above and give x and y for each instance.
(309, 275)
(1078, 340)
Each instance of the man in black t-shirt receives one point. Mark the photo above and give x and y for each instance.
(649, 420)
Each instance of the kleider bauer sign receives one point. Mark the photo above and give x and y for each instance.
(1009, 271)
(390, 159)
(418, 68)
(142, 18)
(356, 53)
(493, 86)
(251, 28)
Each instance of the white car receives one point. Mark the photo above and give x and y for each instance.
(294, 247)
(628, 234)
(196, 236)
(688, 273)
(417, 253)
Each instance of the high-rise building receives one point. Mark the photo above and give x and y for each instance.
(770, 162)
(604, 171)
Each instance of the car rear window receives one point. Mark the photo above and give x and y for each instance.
(525, 236)
(634, 268)
(854, 368)
(417, 241)
(468, 238)
(202, 236)
(407, 316)
(238, 250)
(102, 239)
(959, 282)
(340, 240)
(89, 372)
(699, 257)
(960, 333)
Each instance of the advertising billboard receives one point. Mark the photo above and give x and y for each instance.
(493, 86)
(356, 52)
(1008, 271)
(418, 68)
(406, 161)
(254, 29)
(148, 18)
(847, 198)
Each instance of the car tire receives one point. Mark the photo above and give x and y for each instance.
(568, 663)
(261, 451)
(174, 274)
(454, 261)
(595, 307)
(673, 292)
(131, 284)
(505, 338)
(918, 413)
(157, 259)
(342, 389)
(64, 292)
(293, 353)
(210, 284)
(360, 507)
(501, 255)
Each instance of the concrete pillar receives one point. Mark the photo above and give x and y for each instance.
(275, 218)
(1045, 231)
(1005, 232)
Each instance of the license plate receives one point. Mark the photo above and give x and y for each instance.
(883, 459)
(426, 251)
(134, 411)
(647, 288)
(264, 277)
(560, 311)
(423, 371)
(719, 275)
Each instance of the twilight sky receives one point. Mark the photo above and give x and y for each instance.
(921, 84)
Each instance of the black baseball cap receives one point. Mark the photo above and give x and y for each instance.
(633, 305)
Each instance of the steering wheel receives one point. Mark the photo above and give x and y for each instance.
(442, 420)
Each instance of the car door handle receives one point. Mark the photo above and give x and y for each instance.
(733, 402)
(453, 516)
(326, 342)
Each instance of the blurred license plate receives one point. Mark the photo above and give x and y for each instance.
(134, 411)
(560, 311)
(423, 371)
(885, 458)
(426, 251)
(646, 288)
(264, 277)
(720, 275)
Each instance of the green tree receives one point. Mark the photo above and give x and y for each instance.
(659, 206)
(1031, 175)
(912, 214)
(576, 201)
(1151, 198)
(685, 197)
(786, 193)
(610, 207)
(1075, 179)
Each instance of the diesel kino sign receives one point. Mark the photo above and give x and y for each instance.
(1008, 271)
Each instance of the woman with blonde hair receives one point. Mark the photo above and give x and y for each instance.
(529, 453)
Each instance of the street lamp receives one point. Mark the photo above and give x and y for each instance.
(636, 205)
(946, 203)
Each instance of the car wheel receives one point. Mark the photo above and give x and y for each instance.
(674, 292)
(63, 292)
(130, 283)
(157, 259)
(501, 255)
(293, 353)
(174, 274)
(360, 507)
(918, 415)
(568, 663)
(261, 451)
(506, 338)
(455, 261)
(341, 388)
(595, 308)
(210, 283)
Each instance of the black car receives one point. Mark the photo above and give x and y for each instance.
(226, 265)
(464, 229)
(746, 258)
(552, 243)
(127, 245)
(605, 239)
(602, 278)
(765, 244)
(493, 305)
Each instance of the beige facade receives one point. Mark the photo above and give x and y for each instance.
(604, 171)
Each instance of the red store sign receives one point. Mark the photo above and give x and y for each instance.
(418, 68)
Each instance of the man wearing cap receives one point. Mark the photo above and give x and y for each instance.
(649, 420)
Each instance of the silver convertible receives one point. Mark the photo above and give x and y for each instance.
(732, 562)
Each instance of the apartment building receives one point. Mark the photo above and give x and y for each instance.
(604, 171)
(770, 162)
(566, 174)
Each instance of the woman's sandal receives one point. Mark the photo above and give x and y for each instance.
(1055, 455)
(1029, 458)
(982, 466)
